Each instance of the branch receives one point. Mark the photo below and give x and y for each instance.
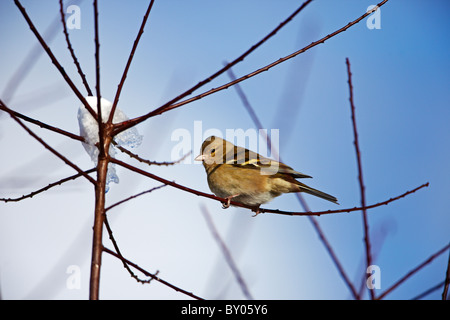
(130, 58)
(42, 124)
(51, 185)
(447, 280)
(56, 153)
(153, 276)
(261, 210)
(360, 176)
(119, 127)
(227, 254)
(318, 213)
(150, 163)
(428, 291)
(53, 59)
(101, 131)
(72, 53)
(171, 105)
(125, 265)
(413, 271)
(135, 196)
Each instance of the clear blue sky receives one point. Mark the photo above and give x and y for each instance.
(401, 79)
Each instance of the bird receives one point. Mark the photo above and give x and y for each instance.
(243, 176)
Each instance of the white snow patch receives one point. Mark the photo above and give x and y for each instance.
(89, 131)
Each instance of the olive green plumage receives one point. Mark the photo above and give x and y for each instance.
(244, 176)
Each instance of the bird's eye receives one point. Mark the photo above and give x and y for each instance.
(213, 152)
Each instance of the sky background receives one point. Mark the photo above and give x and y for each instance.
(401, 84)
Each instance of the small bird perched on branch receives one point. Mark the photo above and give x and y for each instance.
(246, 177)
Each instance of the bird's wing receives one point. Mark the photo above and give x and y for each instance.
(245, 158)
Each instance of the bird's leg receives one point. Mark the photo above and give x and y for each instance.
(256, 211)
(227, 204)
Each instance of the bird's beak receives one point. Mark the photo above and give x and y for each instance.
(200, 157)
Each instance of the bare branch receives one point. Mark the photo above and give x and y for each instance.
(43, 125)
(101, 131)
(153, 276)
(447, 280)
(150, 163)
(360, 176)
(126, 124)
(227, 254)
(318, 213)
(428, 291)
(72, 53)
(261, 210)
(135, 196)
(51, 185)
(56, 153)
(125, 265)
(53, 59)
(130, 58)
(167, 106)
(413, 271)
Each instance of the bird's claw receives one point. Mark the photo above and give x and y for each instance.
(226, 205)
(256, 211)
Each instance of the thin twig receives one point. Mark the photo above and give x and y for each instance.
(72, 52)
(130, 58)
(101, 126)
(153, 276)
(53, 59)
(47, 146)
(125, 265)
(119, 127)
(447, 280)
(172, 105)
(227, 254)
(44, 125)
(134, 196)
(261, 210)
(51, 185)
(150, 163)
(413, 271)
(428, 291)
(360, 176)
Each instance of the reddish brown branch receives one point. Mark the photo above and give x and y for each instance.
(429, 291)
(261, 210)
(133, 197)
(53, 59)
(101, 126)
(150, 163)
(172, 105)
(130, 58)
(167, 106)
(413, 271)
(318, 213)
(153, 276)
(125, 265)
(99, 215)
(360, 176)
(447, 280)
(72, 52)
(100, 187)
(47, 146)
(51, 185)
(43, 125)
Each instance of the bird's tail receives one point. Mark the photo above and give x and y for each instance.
(317, 193)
